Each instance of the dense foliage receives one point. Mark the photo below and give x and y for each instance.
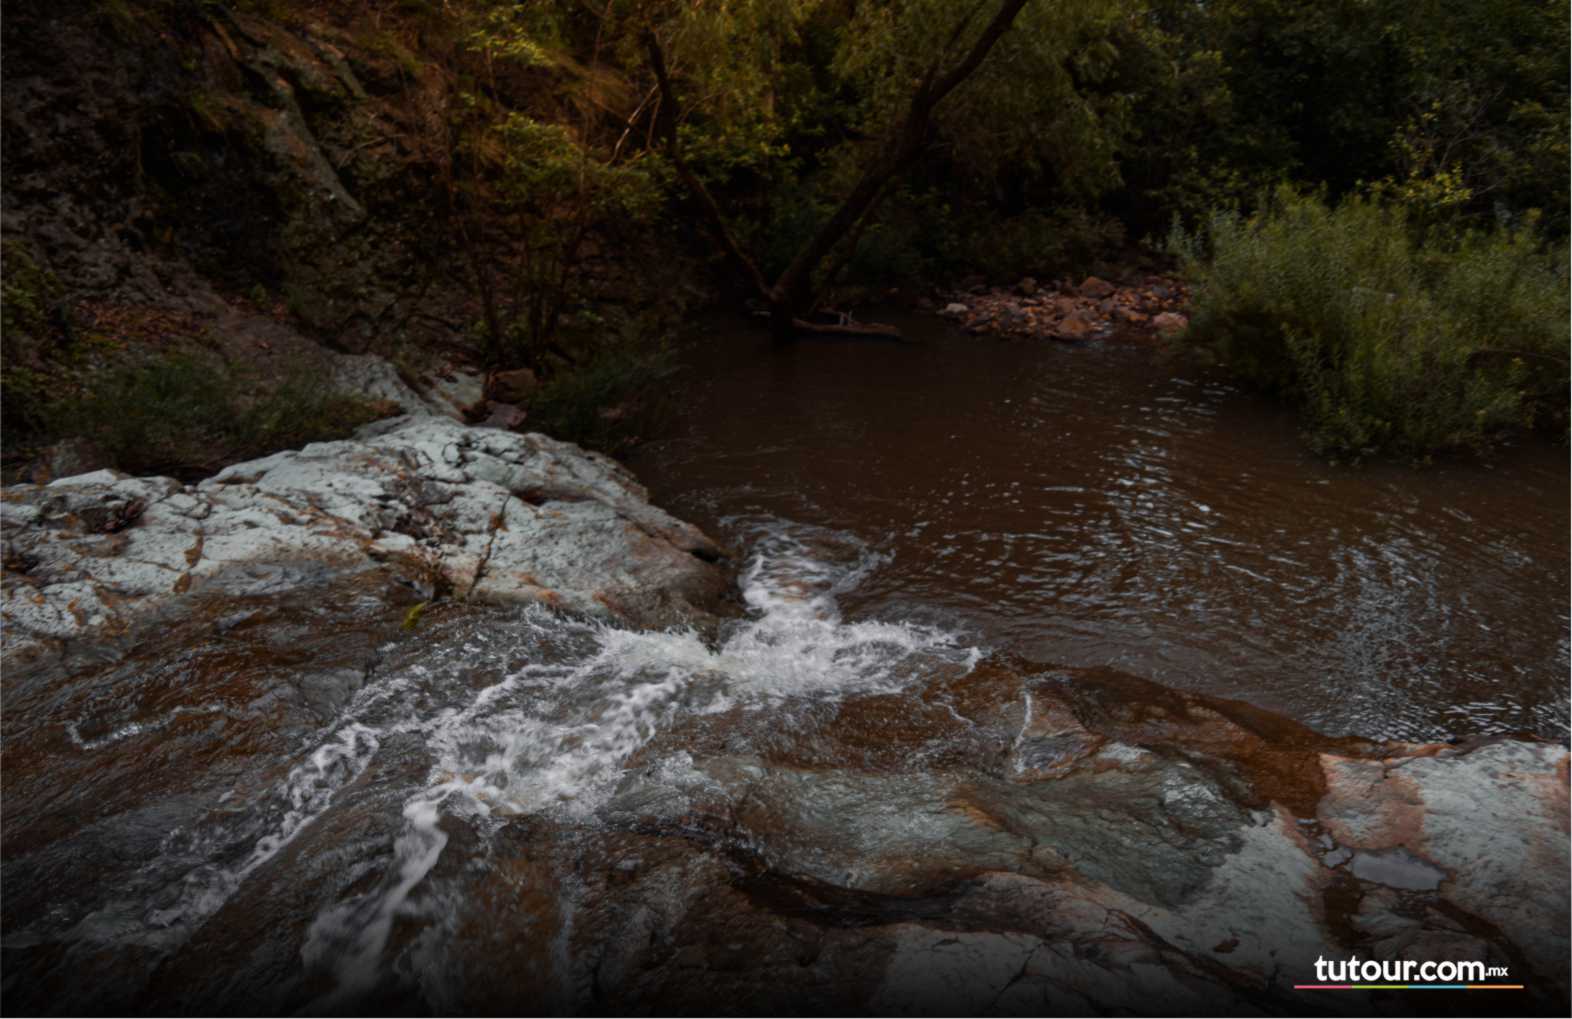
(1392, 337)
(181, 415)
(1132, 112)
(518, 144)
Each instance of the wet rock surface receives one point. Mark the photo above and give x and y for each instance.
(1004, 839)
(1160, 857)
(445, 510)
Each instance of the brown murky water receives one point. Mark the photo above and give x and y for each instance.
(1106, 506)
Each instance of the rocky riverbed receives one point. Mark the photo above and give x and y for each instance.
(284, 799)
(384, 722)
(999, 841)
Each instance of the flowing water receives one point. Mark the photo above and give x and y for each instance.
(554, 734)
(1103, 506)
(486, 717)
(305, 809)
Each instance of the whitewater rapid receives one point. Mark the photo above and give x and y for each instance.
(576, 699)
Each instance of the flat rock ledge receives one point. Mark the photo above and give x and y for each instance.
(445, 509)
(1094, 844)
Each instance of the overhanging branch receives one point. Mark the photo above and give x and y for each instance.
(668, 114)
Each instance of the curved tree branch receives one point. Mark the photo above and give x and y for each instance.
(668, 113)
(795, 286)
(792, 295)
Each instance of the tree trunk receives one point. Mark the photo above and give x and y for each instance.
(793, 295)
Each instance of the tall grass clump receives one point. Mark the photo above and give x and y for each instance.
(1390, 339)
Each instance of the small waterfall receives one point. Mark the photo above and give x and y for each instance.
(553, 736)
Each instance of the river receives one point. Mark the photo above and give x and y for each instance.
(963, 746)
(1104, 505)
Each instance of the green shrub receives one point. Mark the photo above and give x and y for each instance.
(1388, 340)
(186, 416)
(27, 335)
(1040, 243)
(608, 402)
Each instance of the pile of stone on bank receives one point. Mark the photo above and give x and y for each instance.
(1149, 305)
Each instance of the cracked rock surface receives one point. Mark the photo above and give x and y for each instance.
(447, 510)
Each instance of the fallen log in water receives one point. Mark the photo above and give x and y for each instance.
(847, 328)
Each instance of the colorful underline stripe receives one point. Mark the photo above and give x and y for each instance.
(1408, 987)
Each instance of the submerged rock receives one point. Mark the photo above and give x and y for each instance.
(443, 508)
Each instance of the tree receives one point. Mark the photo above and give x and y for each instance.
(533, 171)
(793, 294)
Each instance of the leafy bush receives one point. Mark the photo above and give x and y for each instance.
(1040, 243)
(554, 193)
(27, 293)
(186, 417)
(1388, 339)
(610, 401)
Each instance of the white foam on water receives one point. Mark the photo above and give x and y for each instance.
(349, 937)
(554, 737)
(303, 796)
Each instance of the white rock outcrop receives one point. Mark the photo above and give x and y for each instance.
(449, 509)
